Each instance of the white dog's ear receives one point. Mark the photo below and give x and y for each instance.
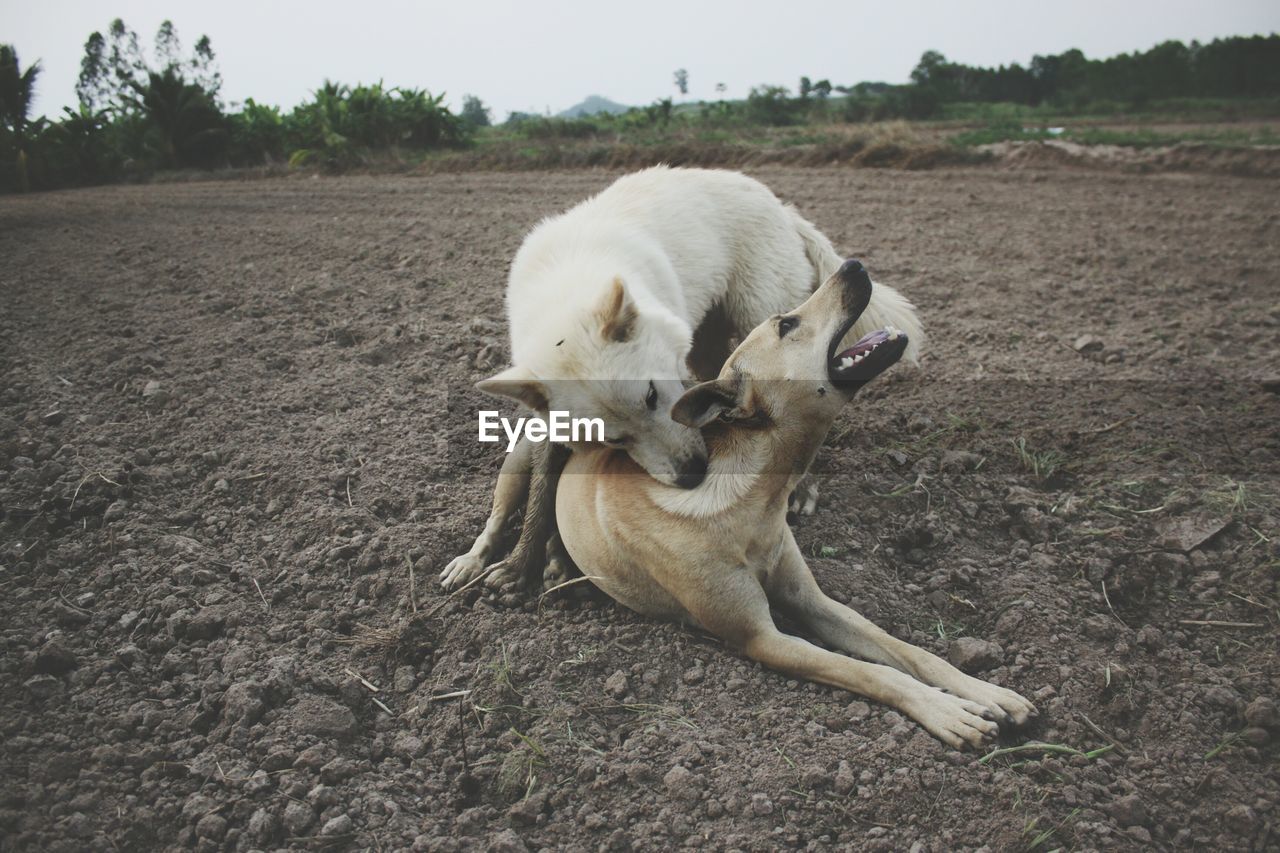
(703, 403)
(617, 313)
(519, 384)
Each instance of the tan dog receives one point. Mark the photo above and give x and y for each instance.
(721, 554)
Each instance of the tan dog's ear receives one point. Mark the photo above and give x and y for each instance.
(617, 313)
(519, 384)
(703, 403)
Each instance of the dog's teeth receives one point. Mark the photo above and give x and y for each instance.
(857, 358)
(893, 335)
(846, 362)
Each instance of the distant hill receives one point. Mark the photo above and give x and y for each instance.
(592, 105)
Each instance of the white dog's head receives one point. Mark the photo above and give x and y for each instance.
(624, 365)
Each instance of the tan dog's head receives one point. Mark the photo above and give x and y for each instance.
(792, 368)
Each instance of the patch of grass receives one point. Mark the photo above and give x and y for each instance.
(1042, 465)
(1223, 745)
(519, 769)
(1232, 497)
(1045, 834)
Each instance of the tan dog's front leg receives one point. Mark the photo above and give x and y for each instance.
(952, 719)
(735, 607)
(792, 586)
(508, 496)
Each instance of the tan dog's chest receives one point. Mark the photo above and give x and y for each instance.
(643, 557)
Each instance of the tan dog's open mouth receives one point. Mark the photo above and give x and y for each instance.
(875, 352)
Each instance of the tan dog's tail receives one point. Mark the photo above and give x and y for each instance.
(888, 307)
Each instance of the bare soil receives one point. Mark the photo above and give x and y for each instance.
(237, 445)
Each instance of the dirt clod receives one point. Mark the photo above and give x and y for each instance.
(970, 654)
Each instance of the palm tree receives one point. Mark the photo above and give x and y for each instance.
(189, 127)
(17, 89)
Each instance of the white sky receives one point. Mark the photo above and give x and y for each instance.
(535, 55)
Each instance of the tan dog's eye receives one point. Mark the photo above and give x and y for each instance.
(786, 324)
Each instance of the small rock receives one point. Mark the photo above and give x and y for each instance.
(128, 653)
(693, 675)
(340, 825)
(1150, 638)
(54, 418)
(258, 781)
(1262, 712)
(1087, 343)
(408, 746)
(206, 624)
(683, 784)
(404, 680)
(617, 685)
(154, 394)
(507, 842)
(1256, 736)
(115, 511)
(338, 771)
(845, 781)
(761, 805)
(1241, 819)
(970, 654)
(212, 826)
(322, 717)
(263, 826)
(1188, 533)
(1127, 811)
(298, 817)
(55, 659)
(527, 810)
(1139, 834)
(243, 703)
(42, 687)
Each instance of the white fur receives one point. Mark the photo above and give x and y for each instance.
(682, 240)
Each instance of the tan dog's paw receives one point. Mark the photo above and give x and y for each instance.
(508, 571)
(955, 721)
(462, 570)
(555, 573)
(1005, 704)
(804, 500)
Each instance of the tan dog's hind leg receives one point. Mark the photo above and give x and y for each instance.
(508, 496)
(735, 607)
(793, 588)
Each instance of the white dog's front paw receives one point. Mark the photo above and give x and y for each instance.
(953, 720)
(804, 500)
(1005, 704)
(462, 570)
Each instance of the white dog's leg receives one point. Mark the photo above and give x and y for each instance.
(508, 498)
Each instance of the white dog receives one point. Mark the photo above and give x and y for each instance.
(613, 304)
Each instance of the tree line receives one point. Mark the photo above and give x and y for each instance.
(145, 110)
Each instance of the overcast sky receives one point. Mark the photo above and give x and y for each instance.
(538, 55)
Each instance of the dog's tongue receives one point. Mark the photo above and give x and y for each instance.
(866, 344)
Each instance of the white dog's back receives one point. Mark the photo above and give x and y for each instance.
(684, 240)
